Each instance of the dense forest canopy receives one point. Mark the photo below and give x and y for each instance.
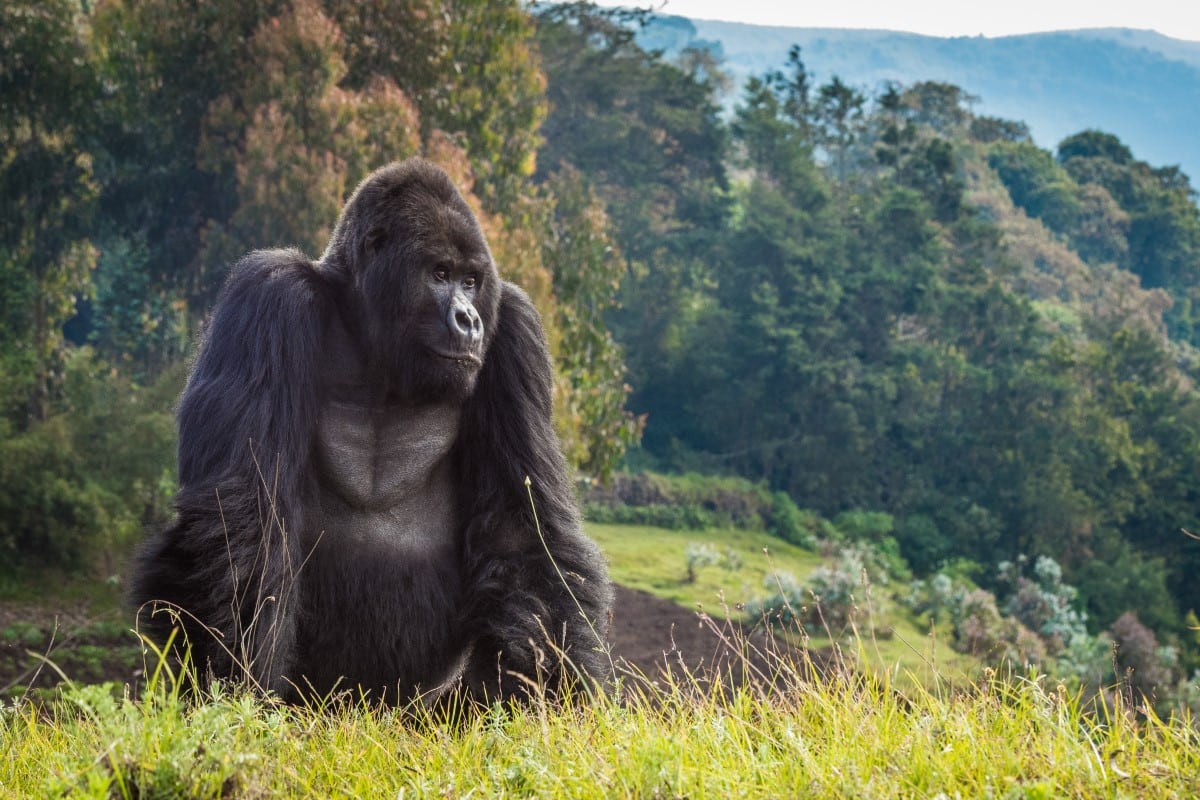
(869, 300)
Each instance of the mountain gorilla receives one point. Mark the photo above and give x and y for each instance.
(358, 442)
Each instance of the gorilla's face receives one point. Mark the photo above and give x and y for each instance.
(426, 283)
(448, 333)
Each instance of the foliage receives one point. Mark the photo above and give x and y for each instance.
(831, 596)
(647, 137)
(48, 184)
(76, 489)
(693, 501)
(902, 309)
(1044, 603)
(980, 629)
(699, 555)
(587, 270)
(1146, 666)
(291, 132)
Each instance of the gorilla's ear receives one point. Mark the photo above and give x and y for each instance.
(374, 241)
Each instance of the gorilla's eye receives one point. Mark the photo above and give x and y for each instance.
(470, 281)
(441, 274)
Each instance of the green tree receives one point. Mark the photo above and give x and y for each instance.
(471, 70)
(1037, 183)
(649, 139)
(46, 179)
(587, 270)
(1163, 220)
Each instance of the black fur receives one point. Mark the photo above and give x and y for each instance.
(247, 571)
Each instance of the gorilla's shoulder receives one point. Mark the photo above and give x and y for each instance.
(281, 268)
(517, 309)
(282, 282)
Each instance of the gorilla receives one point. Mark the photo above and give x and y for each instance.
(371, 494)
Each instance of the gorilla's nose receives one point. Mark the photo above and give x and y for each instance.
(464, 321)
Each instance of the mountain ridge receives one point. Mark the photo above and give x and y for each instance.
(1140, 85)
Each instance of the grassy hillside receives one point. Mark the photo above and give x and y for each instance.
(654, 560)
(888, 639)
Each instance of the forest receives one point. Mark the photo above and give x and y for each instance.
(897, 324)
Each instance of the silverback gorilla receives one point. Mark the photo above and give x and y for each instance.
(355, 440)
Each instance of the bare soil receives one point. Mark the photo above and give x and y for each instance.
(653, 641)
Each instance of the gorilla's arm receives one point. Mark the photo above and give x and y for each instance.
(246, 424)
(520, 594)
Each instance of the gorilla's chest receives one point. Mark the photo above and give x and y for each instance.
(386, 475)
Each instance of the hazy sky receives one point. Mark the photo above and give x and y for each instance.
(1177, 18)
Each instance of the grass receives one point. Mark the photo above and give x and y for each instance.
(870, 735)
(891, 639)
(653, 560)
(837, 739)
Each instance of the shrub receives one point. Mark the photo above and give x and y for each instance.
(698, 555)
(938, 597)
(923, 544)
(1144, 666)
(693, 502)
(1044, 603)
(85, 481)
(828, 598)
(981, 630)
(786, 604)
(792, 524)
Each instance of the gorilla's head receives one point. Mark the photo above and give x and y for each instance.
(423, 287)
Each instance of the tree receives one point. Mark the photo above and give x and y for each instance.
(839, 114)
(470, 69)
(47, 180)
(1163, 241)
(298, 143)
(587, 270)
(649, 139)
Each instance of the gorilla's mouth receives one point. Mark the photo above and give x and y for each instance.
(463, 358)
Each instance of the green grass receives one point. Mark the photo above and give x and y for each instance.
(889, 638)
(839, 739)
(873, 735)
(652, 559)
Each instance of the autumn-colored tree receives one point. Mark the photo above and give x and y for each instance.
(471, 70)
(298, 142)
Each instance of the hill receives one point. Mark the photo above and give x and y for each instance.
(1140, 85)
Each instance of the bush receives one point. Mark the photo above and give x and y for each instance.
(1044, 603)
(88, 479)
(792, 524)
(694, 502)
(698, 555)
(1145, 667)
(923, 544)
(938, 597)
(786, 604)
(665, 516)
(981, 630)
(830, 596)
(865, 526)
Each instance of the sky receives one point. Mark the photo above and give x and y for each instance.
(1179, 19)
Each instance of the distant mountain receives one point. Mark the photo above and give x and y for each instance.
(1139, 85)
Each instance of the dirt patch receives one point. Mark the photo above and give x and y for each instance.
(659, 641)
(653, 640)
